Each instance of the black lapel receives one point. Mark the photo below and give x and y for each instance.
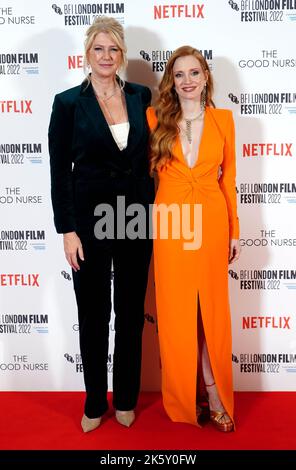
(88, 102)
(90, 106)
(135, 115)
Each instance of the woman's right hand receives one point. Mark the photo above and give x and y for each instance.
(72, 246)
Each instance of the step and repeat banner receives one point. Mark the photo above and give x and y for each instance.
(250, 47)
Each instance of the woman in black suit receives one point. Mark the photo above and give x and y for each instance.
(98, 140)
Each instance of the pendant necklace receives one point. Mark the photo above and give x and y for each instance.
(104, 102)
(106, 98)
(188, 125)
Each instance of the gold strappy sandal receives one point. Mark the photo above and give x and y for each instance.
(220, 419)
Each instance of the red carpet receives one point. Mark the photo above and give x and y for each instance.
(51, 420)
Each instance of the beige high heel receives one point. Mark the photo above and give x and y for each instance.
(126, 418)
(89, 424)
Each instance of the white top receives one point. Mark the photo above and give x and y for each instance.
(120, 134)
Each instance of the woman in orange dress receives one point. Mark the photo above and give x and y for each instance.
(193, 153)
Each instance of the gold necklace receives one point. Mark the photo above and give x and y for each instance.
(101, 97)
(106, 98)
(188, 125)
(107, 109)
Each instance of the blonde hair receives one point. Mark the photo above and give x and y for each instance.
(105, 24)
(168, 109)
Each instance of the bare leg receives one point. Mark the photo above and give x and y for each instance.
(215, 403)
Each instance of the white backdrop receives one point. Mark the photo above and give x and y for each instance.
(250, 46)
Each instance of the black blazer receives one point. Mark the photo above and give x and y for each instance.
(87, 167)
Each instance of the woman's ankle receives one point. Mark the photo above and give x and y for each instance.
(215, 403)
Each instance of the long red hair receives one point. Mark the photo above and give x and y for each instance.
(168, 109)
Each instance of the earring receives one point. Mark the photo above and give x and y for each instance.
(203, 98)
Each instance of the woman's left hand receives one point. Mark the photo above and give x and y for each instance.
(234, 250)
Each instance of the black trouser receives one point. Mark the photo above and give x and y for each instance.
(92, 286)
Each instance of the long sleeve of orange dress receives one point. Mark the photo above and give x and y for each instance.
(227, 180)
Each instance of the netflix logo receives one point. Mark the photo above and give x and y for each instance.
(267, 150)
(19, 280)
(75, 62)
(250, 322)
(16, 106)
(179, 11)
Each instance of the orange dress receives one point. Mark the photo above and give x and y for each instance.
(182, 277)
